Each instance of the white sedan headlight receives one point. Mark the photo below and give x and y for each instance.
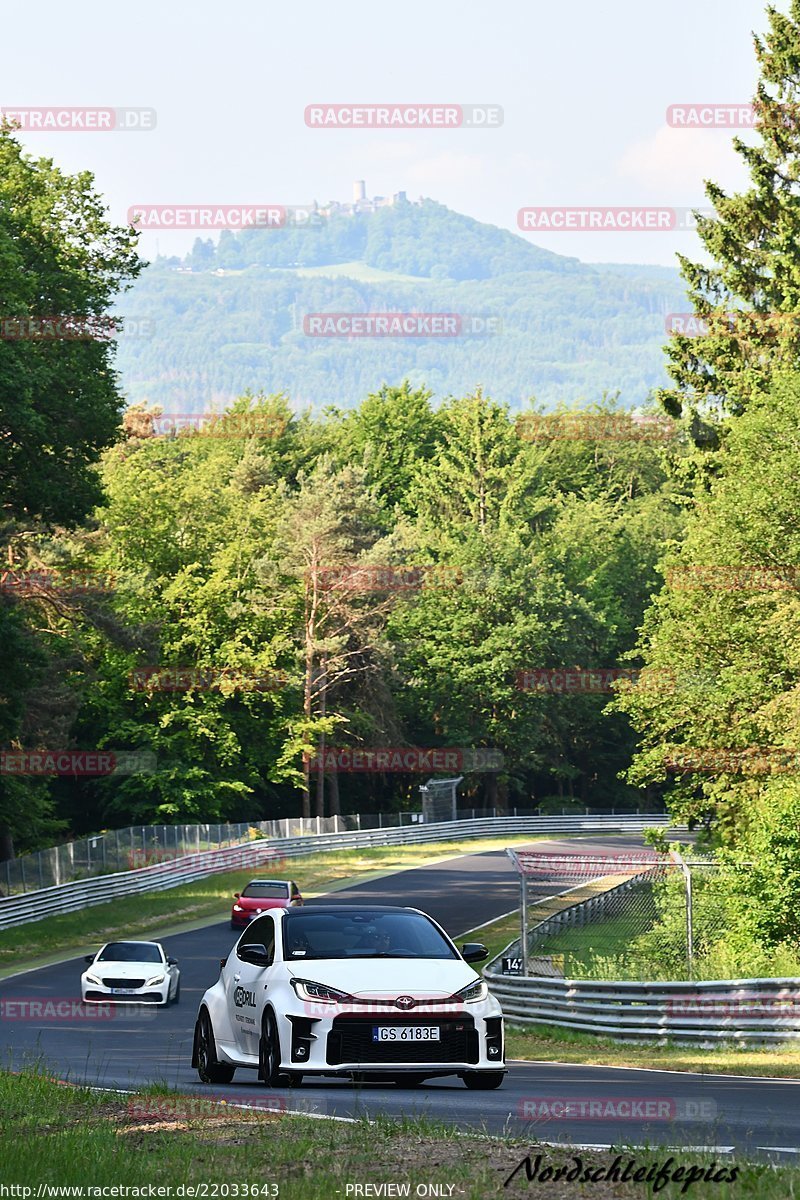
(91, 979)
(308, 990)
(473, 993)
(155, 980)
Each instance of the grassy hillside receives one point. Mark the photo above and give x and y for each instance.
(567, 331)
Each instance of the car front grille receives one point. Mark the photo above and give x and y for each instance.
(350, 1040)
(126, 983)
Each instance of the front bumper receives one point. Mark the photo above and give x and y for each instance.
(343, 1042)
(158, 994)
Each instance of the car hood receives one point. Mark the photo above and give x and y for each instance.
(387, 978)
(126, 970)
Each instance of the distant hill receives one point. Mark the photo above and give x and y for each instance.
(232, 315)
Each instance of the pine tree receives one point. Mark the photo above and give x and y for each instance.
(749, 294)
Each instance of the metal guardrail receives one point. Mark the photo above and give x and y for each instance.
(744, 1011)
(69, 897)
(143, 845)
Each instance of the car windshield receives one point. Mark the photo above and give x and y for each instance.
(266, 891)
(361, 934)
(130, 952)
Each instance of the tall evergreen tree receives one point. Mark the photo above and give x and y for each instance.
(752, 242)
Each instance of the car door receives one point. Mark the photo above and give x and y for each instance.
(249, 984)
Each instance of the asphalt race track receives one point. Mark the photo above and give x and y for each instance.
(132, 1048)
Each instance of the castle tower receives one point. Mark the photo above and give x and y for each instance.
(359, 191)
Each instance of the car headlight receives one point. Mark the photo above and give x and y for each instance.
(473, 993)
(308, 990)
(155, 980)
(91, 979)
(238, 908)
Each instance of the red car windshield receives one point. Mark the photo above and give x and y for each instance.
(266, 891)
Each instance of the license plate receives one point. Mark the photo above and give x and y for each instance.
(123, 991)
(405, 1033)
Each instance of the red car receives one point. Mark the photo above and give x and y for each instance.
(261, 894)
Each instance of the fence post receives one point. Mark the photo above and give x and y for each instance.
(380, 822)
(358, 821)
(678, 858)
(523, 883)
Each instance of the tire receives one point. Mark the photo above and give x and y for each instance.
(177, 997)
(269, 1054)
(269, 1058)
(209, 1068)
(483, 1081)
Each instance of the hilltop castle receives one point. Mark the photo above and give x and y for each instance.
(361, 203)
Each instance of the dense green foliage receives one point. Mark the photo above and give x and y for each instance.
(59, 408)
(541, 555)
(748, 292)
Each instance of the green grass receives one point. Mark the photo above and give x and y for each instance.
(583, 945)
(152, 913)
(497, 935)
(65, 1136)
(545, 1043)
(356, 270)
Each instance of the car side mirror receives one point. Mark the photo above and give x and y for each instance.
(172, 962)
(256, 954)
(236, 895)
(89, 958)
(474, 952)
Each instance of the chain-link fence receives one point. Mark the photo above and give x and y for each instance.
(144, 845)
(632, 916)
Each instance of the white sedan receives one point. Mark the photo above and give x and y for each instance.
(373, 993)
(132, 973)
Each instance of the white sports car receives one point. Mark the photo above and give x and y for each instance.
(372, 993)
(132, 973)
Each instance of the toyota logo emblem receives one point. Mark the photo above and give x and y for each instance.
(404, 1002)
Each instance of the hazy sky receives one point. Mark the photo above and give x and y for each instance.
(584, 87)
